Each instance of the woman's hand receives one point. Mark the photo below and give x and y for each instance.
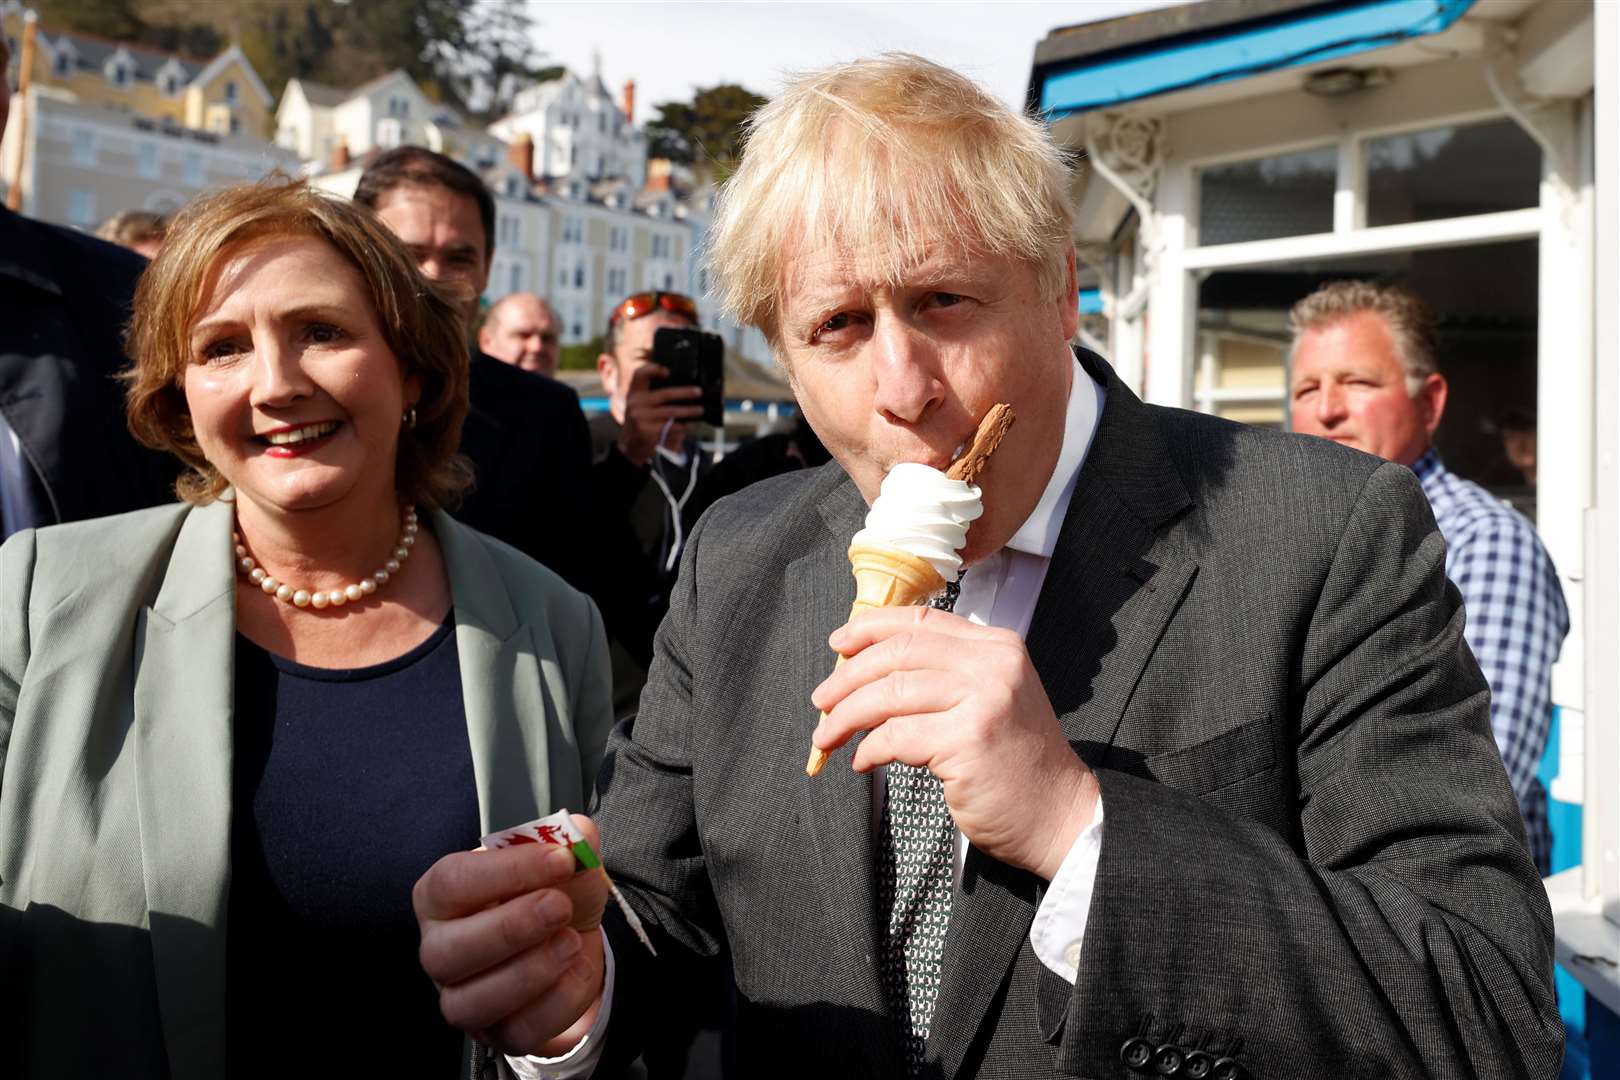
(513, 940)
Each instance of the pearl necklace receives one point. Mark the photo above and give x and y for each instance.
(335, 597)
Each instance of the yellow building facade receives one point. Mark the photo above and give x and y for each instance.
(223, 95)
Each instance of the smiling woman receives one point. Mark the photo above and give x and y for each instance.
(209, 684)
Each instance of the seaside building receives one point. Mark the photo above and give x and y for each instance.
(1236, 155)
(112, 127)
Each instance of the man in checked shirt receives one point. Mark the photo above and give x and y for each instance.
(1364, 374)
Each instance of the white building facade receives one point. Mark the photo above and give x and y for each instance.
(578, 131)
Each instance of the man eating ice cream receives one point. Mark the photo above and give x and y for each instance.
(1196, 778)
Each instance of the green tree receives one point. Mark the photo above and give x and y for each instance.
(706, 133)
(118, 19)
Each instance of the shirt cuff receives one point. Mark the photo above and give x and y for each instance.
(581, 1061)
(1060, 921)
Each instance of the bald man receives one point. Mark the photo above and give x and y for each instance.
(524, 331)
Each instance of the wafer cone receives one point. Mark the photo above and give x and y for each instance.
(884, 577)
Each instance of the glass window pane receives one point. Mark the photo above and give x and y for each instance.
(1286, 195)
(1451, 172)
(1485, 299)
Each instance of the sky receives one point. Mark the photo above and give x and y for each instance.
(669, 49)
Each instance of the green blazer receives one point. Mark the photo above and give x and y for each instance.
(117, 661)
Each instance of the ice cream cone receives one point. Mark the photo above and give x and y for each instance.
(884, 577)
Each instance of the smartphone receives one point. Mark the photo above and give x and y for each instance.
(693, 358)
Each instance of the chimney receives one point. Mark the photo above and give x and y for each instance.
(520, 153)
(340, 154)
(630, 101)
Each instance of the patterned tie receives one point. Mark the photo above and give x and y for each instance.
(914, 889)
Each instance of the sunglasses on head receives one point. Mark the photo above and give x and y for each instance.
(645, 303)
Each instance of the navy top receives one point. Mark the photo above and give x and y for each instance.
(347, 786)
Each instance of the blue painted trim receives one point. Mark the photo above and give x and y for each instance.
(1091, 302)
(1306, 37)
(599, 403)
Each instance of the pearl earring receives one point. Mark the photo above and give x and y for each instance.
(409, 419)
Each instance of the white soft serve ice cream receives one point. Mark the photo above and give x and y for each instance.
(923, 512)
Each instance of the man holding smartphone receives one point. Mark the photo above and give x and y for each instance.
(646, 466)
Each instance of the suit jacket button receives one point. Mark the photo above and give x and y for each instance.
(1167, 1059)
(1197, 1066)
(1226, 1069)
(1136, 1053)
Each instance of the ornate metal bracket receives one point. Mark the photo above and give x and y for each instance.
(1550, 123)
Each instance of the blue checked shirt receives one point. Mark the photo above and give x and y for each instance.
(1516, 621)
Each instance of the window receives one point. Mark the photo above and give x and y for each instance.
(579, 275)
(1451, 172)
(232, 94)
(84, 147)
(193, 167)
(146, 160)
(601, 123)
(236, 125)
(81, 206)
(669, 281)
(1286, 195)
(388, 132)
(399, 108)
(167, 83)
(517, 277)
(62, 65)
(118, 74)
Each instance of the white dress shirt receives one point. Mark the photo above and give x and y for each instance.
(999, 591)
(1002, 591)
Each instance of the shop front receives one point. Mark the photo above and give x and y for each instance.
(1234, 156)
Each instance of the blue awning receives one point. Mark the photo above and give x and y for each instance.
(1305, 36)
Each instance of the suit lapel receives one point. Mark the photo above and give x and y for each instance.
(838, 803)
(501, 686)
(184, 664)
(1110, 591)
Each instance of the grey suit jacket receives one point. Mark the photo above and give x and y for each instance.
(1311, 861)
(116, 679)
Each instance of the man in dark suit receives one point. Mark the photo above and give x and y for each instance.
(1197, 778)
(525, 434)
(65, 451)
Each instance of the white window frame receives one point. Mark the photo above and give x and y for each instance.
(1561, 224)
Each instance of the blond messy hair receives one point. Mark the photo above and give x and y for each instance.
(884, 157)
(422, 324)
(1411, 326)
